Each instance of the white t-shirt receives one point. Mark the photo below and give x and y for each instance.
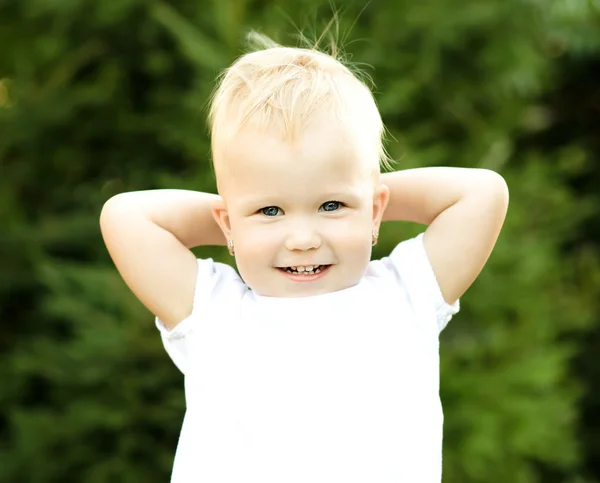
(335, 388)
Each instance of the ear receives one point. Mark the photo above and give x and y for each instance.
(219, 211)
(381, 197)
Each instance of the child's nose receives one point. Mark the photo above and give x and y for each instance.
(303, 238)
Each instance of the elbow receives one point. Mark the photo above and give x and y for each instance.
(494, 186)
(494, 190)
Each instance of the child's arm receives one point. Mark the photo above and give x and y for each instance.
(465, 210)
(148, 235)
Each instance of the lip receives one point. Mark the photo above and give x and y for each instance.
(305, 278)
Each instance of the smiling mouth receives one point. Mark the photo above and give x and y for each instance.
(309, 270)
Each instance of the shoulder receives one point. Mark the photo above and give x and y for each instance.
(215, 284)
(408, 269)
(405, 262)
(214, 280)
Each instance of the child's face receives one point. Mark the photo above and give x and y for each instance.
(314, 205)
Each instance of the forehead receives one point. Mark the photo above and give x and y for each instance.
(327, 157)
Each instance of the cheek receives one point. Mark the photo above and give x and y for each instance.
(358, 245)
(353, 237)
(252, 240)
(253, 253)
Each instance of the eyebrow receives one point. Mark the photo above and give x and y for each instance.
(345, 194)
(277, 200)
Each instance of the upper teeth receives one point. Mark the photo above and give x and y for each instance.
(308, 268)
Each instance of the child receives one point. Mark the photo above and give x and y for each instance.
(314, 364)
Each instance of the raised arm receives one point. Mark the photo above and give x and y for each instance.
(465, 210)
(149, 234)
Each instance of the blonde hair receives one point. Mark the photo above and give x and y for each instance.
(282, 89)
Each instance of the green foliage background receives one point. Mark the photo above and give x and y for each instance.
(103, 96)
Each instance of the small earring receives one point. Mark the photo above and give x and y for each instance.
(375, 236)
(230, 247)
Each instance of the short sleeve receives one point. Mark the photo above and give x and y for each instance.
(410, 261)
(211, 279)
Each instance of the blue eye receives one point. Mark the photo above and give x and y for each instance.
(270, 211)
(331, 206)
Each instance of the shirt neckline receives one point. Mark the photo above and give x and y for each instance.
(325, 297)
